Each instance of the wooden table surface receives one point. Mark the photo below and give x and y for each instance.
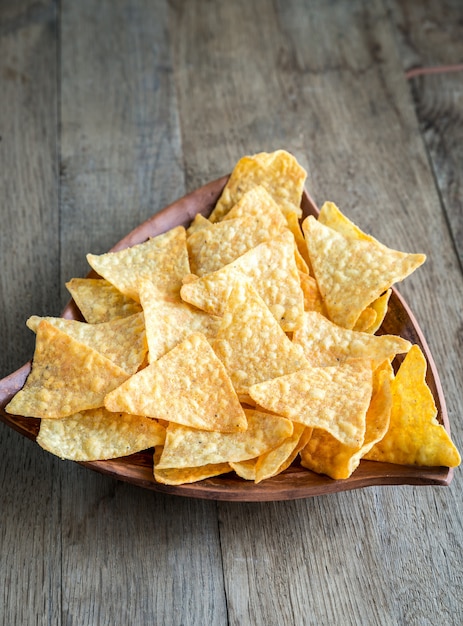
(109, 111)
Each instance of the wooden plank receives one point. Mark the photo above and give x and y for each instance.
(325, 81)
(130, 556)
(121, 158)
(29, 244)
(429, 36)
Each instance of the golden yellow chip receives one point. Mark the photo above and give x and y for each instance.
(326, 455)
(188, 385)
(211, 248)
(414, 437)
(169, 322)
(185, 475)
(258, 204)
(250, 342)
(352, 273)
(66, 377)
(312, 297)
(271, 268)
(380, 307)
(98, 434)
(365, 320)
(245, 469)
(162, 259)
(277, 460)
(332, 398)
(278, 172)
(190, 447)
(198, 223)
(325, 343)
(331, 216)
(99, 301)
(122, 341)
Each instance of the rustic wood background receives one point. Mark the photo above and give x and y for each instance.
(110, 110)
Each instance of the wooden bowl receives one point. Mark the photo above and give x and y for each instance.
(296, 482)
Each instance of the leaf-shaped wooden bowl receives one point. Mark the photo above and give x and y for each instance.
(296, 481)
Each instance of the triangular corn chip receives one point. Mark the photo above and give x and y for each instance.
(379, 306)
(352, 273)
(250, 342)
(211, 248)
(414, 437)
(99, 301)
(122, 341)
(188, 385)
(333, 398)
(332, 217)
(312, 297)
(277, 460)
(190, 447)
(98, 434)
(325, 343)
(271, 268)
(245, 469)
(186, 475)
(66, 377)
(169, 322)
(198, 223)
(278, 172)
(258, 204)
(326, 455)
(162, 259)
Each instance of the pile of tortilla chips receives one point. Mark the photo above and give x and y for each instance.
(242, 343)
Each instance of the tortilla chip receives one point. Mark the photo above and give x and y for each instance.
(352, 273)
(379, 306)
(185, 475)
(280, 458)
(414, 437)
(332, 217)
(332, 398)
(169, 322)
(98, 434)
(99, 301)
(190, 447)
(198, 223)
(257, 203)
(325, 343)
(66, 377)
(245, 469)
(188, 385)
(122, 341)
(278, 172)
(250, 342)
(211, 248)
(312, 297)
(270, 267)
(162, 259)
(326, 455)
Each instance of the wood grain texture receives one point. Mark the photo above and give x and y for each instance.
(121, 158)
(29, 237)
(30, 571)
(430, 36)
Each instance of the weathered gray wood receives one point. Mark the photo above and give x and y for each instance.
(325, 81)
(28, 161)
(121, 158)
(30, 573)
(430, 38)
(129, 557)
